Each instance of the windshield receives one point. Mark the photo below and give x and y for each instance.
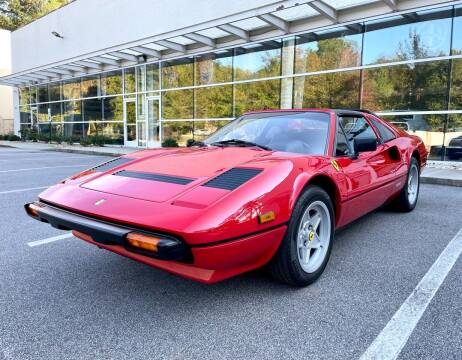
(297, 132)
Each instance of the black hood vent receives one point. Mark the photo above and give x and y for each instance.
(111, 164)
(154, 177)
(232, 178)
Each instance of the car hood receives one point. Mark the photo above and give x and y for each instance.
(162, 176)
(197, 212)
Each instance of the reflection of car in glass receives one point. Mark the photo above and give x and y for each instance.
(269, 188)
(454, 150)
(411, 122)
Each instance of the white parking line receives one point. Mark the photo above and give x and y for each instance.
(26, 189)
(47, 157)
(45, 167)
(50, 239)
(390, 342)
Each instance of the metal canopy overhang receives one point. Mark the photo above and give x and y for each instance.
(290, 17)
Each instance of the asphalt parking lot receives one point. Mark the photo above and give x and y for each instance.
(69, 300)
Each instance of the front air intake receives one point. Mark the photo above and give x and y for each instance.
(111, 164)
(154, 177)
(232, 178)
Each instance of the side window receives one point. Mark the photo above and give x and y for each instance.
(342, 147)
(385, 133)
(357, 128)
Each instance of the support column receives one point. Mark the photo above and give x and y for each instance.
(288, 51)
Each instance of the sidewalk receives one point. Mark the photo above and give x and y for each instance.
(109, 150)
(442, 173)
(436, 172)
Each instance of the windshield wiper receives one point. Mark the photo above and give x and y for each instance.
(239, 143)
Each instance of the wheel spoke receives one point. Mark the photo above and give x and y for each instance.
(305, 254)
(315, 221)
(316, 243)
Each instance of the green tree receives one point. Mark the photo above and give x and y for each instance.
(17, 13)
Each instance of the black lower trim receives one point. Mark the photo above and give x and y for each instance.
(105, 233)
(212, 243)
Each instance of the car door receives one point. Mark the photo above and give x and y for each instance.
(364, 172)
(393, 165)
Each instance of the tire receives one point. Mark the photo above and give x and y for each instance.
(291, 264)
(406, 200)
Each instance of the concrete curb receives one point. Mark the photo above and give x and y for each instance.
(86, 152)
(440, 181)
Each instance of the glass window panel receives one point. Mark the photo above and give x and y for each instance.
(71, 89)
(456, 85)
(177, 104)
(406, 87)
(141, 78)
(56, 129)
(213, 68)
(72, 111)
(385, 133)
(129, 81)
(153, 120)
(33, 94)
(141, 128)
(430, 128)
(42, 93)
(177, 73)
(54, 91)
(90, 86)
(356, 128)
(181, 131)
(333, 50)
(113, 132)
(23, 127)
(258, 60)
(113, 109)
(24, 114)
(410, 36)
(92, 110)
(141, 107)
(56, 112)
(111, 83)
(24, 96)
(203, 129)
(342, 146)
(453, 138)
(335, 90)
(152, 77)
(214, 102)
(259, 95)
(130, 112)
(44, 129)
(456, 32)
(74, 130)
(42, 112)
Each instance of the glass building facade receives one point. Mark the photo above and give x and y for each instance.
(407, 68)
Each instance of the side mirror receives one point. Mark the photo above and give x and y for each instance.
(363, 145)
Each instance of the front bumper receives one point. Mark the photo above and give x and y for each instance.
(168, 248)
(205, 263)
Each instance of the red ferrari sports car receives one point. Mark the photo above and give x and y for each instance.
(270, 188)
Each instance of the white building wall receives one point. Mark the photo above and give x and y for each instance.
(89, 26)
(6, 92)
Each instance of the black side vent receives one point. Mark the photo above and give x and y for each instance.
(233, 178)
(154, 177)
(111, 164)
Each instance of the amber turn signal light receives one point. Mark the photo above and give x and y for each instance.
(266, 217)
(142, 241)
(32, 209)
(81, 235)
